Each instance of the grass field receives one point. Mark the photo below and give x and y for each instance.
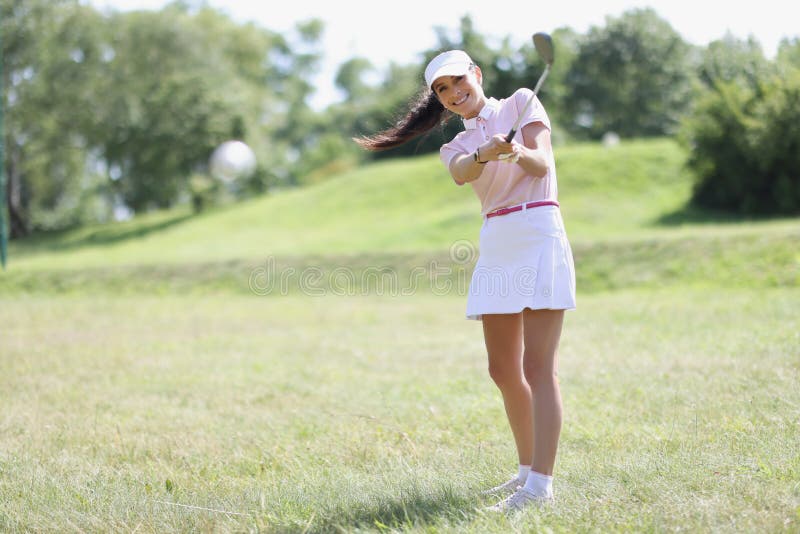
(150, 383)
(349, 413)
(623, 207)
(632, 193)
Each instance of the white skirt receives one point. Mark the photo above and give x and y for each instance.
(525, 261)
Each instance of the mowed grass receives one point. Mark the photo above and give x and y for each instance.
(324, 414)
(623, 207)
(631, 193)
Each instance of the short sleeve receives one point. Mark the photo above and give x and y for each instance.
(536, 111)
(448, 152)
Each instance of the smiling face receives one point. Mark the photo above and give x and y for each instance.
(461, 94)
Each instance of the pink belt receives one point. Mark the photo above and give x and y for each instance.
(520, 207)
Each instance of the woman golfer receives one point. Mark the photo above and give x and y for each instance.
(524, 278)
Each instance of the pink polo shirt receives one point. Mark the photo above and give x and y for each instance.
(503, 184)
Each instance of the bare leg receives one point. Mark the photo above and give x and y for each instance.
(542, 332)
(503, 336)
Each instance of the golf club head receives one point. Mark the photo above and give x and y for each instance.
(544, 46)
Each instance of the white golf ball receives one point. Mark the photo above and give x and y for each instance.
(232, 160)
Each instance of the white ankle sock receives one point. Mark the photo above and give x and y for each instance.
(522, 474)
(539, 484)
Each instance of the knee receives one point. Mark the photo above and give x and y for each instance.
(538, 373)
(504, 374)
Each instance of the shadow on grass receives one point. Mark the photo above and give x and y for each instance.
(411, 508)
(105, 235)
(690, 214)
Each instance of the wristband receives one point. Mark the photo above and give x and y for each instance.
(476, 156)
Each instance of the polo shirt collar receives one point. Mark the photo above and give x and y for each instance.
(486, 112)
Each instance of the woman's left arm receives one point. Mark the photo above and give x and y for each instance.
(535, 153)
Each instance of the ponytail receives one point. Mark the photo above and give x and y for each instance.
(423, 115)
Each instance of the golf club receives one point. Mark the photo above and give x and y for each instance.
(544, 46)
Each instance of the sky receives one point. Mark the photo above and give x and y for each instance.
(398, 31)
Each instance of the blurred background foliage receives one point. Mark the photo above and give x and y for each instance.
(112, 114)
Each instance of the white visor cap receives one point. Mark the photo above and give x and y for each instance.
(450, 63)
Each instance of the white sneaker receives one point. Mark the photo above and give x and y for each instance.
(506, 487)
(520, 500)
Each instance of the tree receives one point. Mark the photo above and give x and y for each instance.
(350, 78)
(124, 108)
(789, 53)
(746, 146)
(632, 76)
(52, 55)
(169, 97)
(297, 128)
(733, 60)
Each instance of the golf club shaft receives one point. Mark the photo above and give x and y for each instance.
(539, 83)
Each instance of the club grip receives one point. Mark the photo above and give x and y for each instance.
(511, 135)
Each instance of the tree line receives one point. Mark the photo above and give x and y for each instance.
(113, 112)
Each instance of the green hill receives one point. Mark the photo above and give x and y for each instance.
(624, 202)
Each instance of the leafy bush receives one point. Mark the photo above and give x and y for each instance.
(746, 146)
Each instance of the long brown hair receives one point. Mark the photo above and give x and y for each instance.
(424, 114)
